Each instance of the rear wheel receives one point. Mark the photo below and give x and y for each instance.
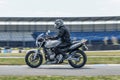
(30, 61)
(79, 60)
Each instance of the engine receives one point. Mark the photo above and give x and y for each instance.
(51, 55)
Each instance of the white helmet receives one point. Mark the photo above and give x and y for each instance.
(58, 23)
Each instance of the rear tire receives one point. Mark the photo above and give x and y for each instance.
(39, 58)
(81, 64)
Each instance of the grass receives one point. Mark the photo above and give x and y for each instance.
(59, 78)
(12, 61)
(109, 53)
(103, 60)
(95, 60)
(12, 54)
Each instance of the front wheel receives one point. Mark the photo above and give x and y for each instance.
(30, 61)
(79, 59)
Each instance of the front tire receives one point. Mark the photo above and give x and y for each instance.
(74, 63)
(31, 62)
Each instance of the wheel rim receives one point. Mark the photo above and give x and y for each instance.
(33, 61)
(79, 59)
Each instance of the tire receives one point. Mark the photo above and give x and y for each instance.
(80, 65)
(29, 63)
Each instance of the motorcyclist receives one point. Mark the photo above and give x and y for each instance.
(63, 35)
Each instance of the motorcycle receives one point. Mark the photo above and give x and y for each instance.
(46, 51)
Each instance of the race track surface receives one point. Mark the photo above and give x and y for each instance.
(61, 70)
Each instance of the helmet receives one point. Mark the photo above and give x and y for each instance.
(58, 23)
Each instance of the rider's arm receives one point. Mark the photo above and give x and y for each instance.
(60, 34)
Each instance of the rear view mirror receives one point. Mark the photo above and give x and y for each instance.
(47, 32)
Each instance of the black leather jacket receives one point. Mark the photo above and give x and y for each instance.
(63, 34)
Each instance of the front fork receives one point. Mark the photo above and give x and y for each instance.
(36, 52)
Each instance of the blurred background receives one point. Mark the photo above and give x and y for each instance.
(102, 33)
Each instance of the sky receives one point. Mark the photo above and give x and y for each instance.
(59, 8)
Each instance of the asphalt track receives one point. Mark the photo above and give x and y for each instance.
(61, 70)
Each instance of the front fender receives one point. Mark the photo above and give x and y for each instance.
(34, 50)
(29, 51)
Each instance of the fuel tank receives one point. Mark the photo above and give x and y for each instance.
(52, 43)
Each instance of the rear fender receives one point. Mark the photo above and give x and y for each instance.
(73, 50)
(77, 50)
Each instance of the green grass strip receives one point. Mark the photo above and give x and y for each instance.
(59, 78)
(95, 60)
